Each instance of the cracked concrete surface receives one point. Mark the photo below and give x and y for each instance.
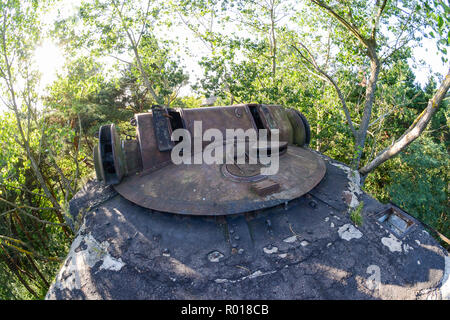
(308, 249)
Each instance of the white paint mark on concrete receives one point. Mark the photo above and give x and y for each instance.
(270, 251)
(113, 264)
(254, 275)
(290, 239)
(282, 255)
(83, 255)
(332, 225)
(349, 232)
(407, 248)
(341, 166)
(392, 243)
(353, 183)
(221, 280)
(304, 243)
(374, 280)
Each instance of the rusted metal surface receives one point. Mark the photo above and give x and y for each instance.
(152, 180)
(396, 220)
(298, 127)
(221, 118)
(282, 121)
(163, 129)
(203, 189)
(108, 156)
(132, 155)
(150, 154)
(265, 187)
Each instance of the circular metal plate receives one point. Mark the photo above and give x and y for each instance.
(201, 189)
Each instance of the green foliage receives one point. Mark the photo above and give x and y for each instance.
(19, 186)
(438, 14)
(420, 183)
(125, 29)
(356, 216)
(47, 139)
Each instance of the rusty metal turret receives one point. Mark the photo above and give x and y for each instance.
(142, 169)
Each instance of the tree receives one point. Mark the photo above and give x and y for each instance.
(413, 132)
(361, 24)
(124, 31)
(34, 183)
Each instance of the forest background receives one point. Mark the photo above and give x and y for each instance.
(358, 70)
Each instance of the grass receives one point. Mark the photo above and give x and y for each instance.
(356, 216)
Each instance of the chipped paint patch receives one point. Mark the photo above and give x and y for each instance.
(85, 252)
(290, 239)
(407, 248)
(110, 263)
(392, 243)
(354, 188)
(270, 251)
(349, 232)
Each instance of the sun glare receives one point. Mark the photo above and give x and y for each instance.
(50, 60)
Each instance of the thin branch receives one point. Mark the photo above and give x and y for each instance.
(413, 132)
(343, 22)
(31, 216)
(377, 17)
(327, 77)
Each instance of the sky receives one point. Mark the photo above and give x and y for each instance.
(50, 58)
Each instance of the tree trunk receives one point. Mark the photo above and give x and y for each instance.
(413, 132)
(274, 40)
(370, 97)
